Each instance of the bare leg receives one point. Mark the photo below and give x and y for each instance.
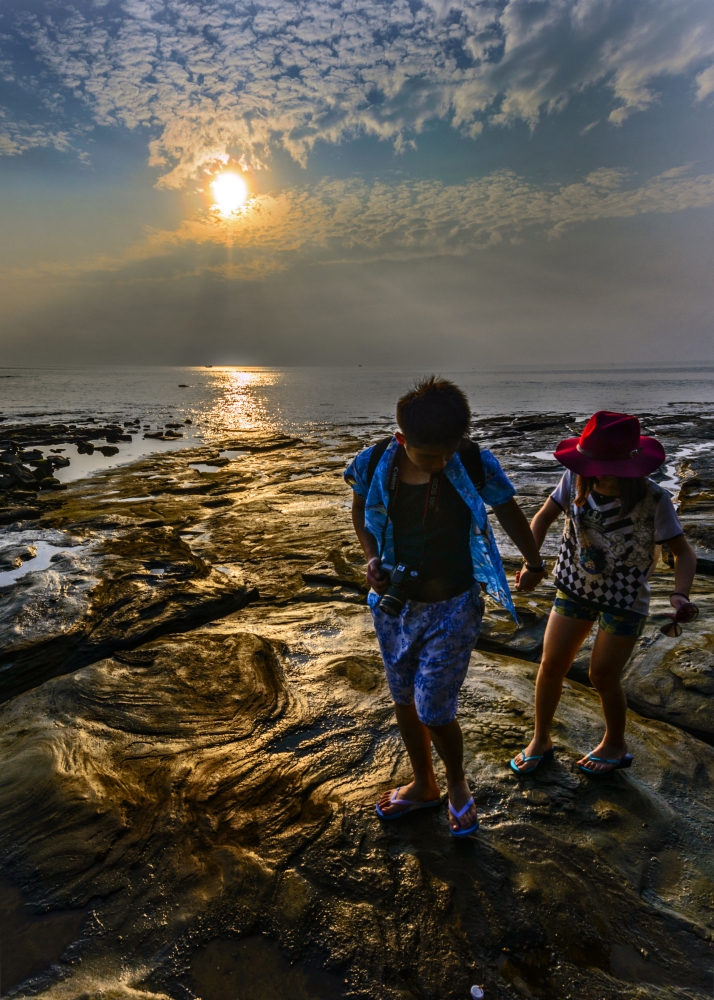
(449, 743)
(417, 740)
(609, 656)
(563, 638)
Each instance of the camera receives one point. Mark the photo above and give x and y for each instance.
(402, 577)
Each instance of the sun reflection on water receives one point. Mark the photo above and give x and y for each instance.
(239, 402)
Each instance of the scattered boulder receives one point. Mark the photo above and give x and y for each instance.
(14, 556)
(23, 475)
(43, 468)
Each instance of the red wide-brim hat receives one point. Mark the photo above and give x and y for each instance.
(611, 445)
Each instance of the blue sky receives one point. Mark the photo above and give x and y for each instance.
(503, 181)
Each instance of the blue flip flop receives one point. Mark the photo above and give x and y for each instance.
(619, 763)
(540, 757)
(458, 815)
(410, 806)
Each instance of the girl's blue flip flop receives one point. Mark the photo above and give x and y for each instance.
(541, 758)
(409, 806)
(458, 815)
(617, 764)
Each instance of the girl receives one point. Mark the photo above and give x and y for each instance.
(615, 519)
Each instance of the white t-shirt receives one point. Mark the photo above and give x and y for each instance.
(607, 559)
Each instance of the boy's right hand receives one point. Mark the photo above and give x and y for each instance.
(377, 580)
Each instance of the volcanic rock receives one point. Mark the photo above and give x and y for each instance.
(220, 790)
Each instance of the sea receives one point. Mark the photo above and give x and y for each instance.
(316, 401)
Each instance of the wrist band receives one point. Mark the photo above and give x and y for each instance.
(678, 593)
(539, 569)
(374, 559)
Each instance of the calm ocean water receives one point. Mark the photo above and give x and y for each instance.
(310, 399)
(316, 401)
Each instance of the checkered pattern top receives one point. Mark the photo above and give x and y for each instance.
(605, 558)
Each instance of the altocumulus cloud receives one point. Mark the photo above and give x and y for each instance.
(349, 220)
(209, 79)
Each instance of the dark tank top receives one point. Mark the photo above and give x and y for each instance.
(441, 551)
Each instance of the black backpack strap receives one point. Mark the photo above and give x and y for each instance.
(470, 455)
(377, 451)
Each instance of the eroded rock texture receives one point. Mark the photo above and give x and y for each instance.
(188, 803)
(201, 789)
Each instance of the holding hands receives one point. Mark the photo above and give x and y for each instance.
(528, 577)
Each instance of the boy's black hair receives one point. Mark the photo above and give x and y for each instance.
(434, 412)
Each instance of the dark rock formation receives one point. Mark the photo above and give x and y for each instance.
(113, 594)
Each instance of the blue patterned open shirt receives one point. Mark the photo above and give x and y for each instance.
(498, 489)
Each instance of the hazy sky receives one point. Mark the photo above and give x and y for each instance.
(504, 181)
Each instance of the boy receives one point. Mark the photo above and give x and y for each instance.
(417, 505)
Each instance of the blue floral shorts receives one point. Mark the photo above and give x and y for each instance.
(426, 652)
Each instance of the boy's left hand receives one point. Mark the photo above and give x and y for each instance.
(527, 580)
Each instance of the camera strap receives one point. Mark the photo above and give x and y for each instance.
(433, 492)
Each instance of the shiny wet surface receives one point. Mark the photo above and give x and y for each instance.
(204, 781)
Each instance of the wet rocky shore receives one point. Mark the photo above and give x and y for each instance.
(195, 728)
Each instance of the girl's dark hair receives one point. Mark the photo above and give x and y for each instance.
(631, 491)
(434, 412)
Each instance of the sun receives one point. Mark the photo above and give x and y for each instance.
(230, 192)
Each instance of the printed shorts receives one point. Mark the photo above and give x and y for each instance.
(426, 652)
(625, 623)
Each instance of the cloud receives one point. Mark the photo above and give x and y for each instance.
(209, 79)
(17, 136)
(339, 220)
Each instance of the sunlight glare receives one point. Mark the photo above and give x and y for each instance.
(230, 193)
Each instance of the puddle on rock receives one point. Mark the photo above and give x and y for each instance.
(31, 943)
(46, 554)
(255, 968)
(205, 468)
